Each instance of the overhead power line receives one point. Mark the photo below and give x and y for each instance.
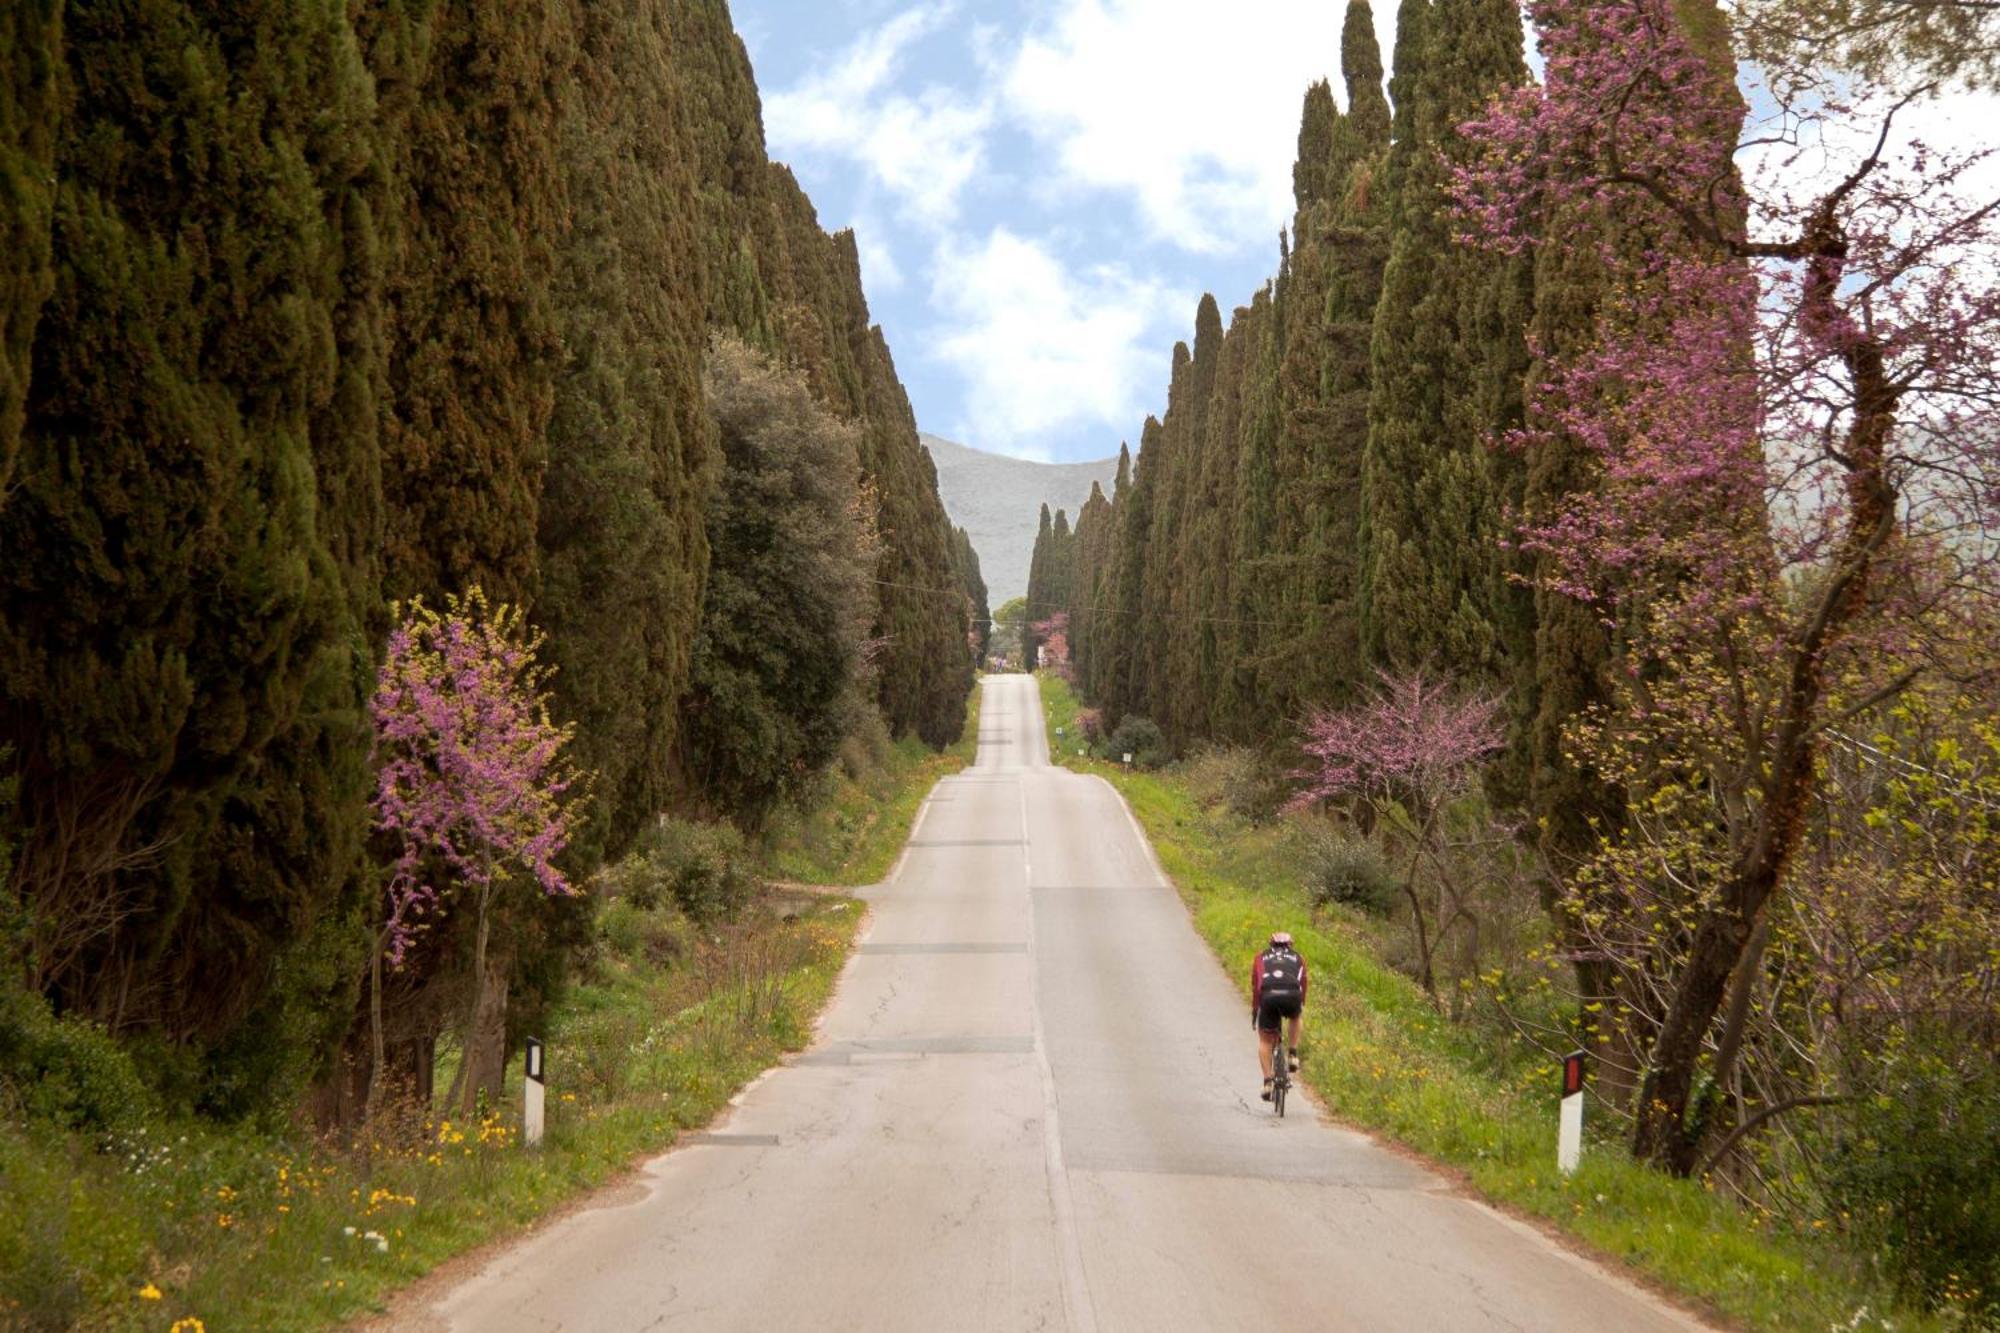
(1111, 610)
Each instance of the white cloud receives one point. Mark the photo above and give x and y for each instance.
(1043, 348)
(880, 272)
(1191, 105)
(924, 147)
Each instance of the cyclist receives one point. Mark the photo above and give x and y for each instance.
(1277, 993)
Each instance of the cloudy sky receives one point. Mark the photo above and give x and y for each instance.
(1042, 189)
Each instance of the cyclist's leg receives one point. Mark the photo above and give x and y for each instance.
(1298, 1020)
(1267, 1040)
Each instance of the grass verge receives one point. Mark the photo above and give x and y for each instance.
(854, 834)
(188, 1225)
(1381, 1057)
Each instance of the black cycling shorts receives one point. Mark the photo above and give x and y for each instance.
(1272, 1010)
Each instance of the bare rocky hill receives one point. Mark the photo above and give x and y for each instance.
(999, 499)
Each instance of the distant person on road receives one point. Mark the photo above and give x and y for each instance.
(1277, 992)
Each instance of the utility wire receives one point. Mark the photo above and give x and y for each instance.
(1112, 610)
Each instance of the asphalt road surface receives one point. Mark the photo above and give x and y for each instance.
(1033, 1105)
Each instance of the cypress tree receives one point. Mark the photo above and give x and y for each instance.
(1318, 123)
(1171, 576)
(1368, 118)
(1062, 566)
(621, 535)
(182, 653)
(1040, 594)
(1136, 659)
(965, 560)
(1089, 588)
(474, 122)
(1447, 357)
(1211, 535)
(30, 109)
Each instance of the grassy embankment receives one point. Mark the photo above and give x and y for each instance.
(1379, 1056)
(179, 1223)
(855, 833)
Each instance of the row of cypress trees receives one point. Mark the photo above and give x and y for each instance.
(1321, 499)
(312, 305)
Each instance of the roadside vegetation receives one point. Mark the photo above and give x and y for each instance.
(478, 545)
(854, 825)
(120, 1215)
(1454, 1078)
(698, 966)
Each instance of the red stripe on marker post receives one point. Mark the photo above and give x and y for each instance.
(1569, 1119)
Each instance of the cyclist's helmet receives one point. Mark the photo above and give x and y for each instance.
(1281, 939)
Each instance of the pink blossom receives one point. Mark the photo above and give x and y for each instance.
(470, 774)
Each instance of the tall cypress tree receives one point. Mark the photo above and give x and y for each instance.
(1446, 359)
(1040, 594)
(966, 561)
(30, 50)
(621, 539)
(474, 120)
(1137, 660)
(1090, 587)
(182, 655)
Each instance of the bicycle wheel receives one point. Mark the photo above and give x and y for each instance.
(1281, 1078)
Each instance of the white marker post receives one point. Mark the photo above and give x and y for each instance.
(1128, 763)
(532, 1093)
(1569, 1127)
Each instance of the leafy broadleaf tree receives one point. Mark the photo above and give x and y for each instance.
(780, 671)
(1408, 754)
(1787, 533)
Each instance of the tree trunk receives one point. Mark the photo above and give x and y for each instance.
(1663, 1133)
(372, 1102)
(484, 1065)
(462, 1087)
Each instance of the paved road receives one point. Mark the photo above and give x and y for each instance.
(1033, 1106)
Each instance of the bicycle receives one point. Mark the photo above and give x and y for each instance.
(1281, 1074)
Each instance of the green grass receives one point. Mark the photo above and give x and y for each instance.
(188, 1224)
(854, 835)
(1380, 1057)
(241, 1229)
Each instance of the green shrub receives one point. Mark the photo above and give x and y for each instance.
(652, 936)
(1340, 868)
(1236, 778)
(706, 870)
(1918, 1176)
(1138, 737)
(64, 1071)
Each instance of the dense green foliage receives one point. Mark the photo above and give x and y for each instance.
(778, 662)
(309, 306)
(30, 37)
(965, 562)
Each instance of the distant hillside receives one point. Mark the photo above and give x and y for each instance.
(998, 499)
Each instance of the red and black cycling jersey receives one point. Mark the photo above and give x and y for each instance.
(1280, 965)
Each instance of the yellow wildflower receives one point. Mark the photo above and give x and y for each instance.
(149, 1292)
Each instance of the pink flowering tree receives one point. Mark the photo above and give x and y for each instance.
(1407, 757)
(472, 784)
(1789, 401)
(1052, 644)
